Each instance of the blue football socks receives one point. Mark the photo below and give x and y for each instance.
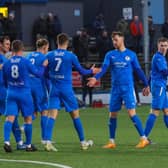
(49, 129)
(137, 123)
(43, 126)
(7, 130)
(16, 130)
(78, 126)
(28, 133)
(112, 127)
(149, 124)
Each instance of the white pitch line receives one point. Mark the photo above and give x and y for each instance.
(36, 162)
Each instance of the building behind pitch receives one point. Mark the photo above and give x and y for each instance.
(75, 14)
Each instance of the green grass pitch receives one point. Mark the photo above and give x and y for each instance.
(95, 125)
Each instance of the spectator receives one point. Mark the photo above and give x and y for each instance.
(122, 26)
(85, 88)
(40, 28)
(58, 25)
(99, 24)
(136, 88)
(164, 28)
(136, 29)
(51, 31)
(151, 34)
(75, 43)
(83, 46)
(10, 27)
(104, 44)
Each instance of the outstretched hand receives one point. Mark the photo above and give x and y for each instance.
(95, 70)
(91, 81)
(146, 91)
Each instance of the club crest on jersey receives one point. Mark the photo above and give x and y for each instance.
(127, 58)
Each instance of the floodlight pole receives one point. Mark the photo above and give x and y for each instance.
(146, 34)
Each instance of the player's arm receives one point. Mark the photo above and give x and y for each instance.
(149, 78)
(79, 68)
(45, 64)
(4, 76)
(162, 66)
(103, 70)
(4, 59)
(139, 72)
(141, 76)
(33, 70)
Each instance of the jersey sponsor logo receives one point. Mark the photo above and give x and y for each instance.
(35, 54)
(56, 53)
(31, 75)
(15, 60)
(120, 64)
(16, 83)
(57, 76)
(127, 58)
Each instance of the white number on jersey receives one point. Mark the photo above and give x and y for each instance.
(59, 61)
(14, 71)
(32, 60)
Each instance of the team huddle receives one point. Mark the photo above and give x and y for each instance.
(42, 82)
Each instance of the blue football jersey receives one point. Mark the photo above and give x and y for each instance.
(60, 66)
(159, 64)
(16, 72)
(122, 64)
(37, 59)
(3, 59)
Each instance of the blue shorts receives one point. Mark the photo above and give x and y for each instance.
(65, 96)
(19, 100)
(40, 98)
(119, 94)
(2, 99)
(159, 97)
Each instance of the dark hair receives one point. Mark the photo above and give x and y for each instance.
(41, 42)
(3, 38)
(17, 45)
(162, 39)
(62, 38)
(114, 33)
